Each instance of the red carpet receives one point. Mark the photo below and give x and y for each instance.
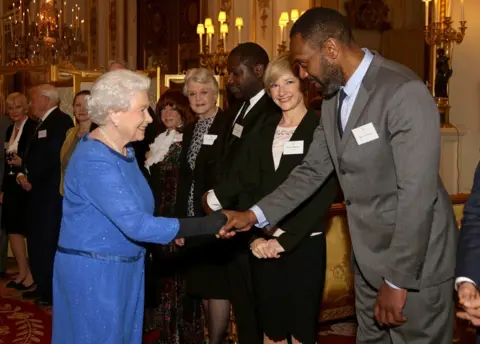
(21, 322)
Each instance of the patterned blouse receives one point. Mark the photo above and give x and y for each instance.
(201, 128)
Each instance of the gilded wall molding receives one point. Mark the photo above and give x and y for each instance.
(226, 5)
(264, 6)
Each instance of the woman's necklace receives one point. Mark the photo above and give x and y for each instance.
(109, 141)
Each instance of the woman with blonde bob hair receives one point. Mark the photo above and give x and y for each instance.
(107, 213)
(14, 197)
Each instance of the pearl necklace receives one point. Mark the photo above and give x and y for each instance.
(110, 142)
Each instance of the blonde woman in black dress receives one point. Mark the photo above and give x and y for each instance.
(13, 196)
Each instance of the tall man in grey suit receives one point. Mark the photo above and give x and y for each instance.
(380, 131)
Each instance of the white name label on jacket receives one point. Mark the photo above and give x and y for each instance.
(42, 134)
(365, 133)
(209, 139)
(237, 130)
(178, 138)
(293, 147)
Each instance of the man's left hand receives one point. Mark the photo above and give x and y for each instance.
(389, 306)
(471, 311)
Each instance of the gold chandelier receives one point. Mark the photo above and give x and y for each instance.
(211, 57)
(43, 32)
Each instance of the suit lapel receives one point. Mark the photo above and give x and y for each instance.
(205, 150)
(328, 118)
(302, 133)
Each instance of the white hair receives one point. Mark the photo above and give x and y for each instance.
(113, 92)
(202, 76)
(49, 91)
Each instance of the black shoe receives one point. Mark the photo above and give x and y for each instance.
(43, 302)
(34, 294)
(13, 284)
(23, 287)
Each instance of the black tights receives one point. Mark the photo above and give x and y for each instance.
(217, 315)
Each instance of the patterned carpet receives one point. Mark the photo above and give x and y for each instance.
(21, 322)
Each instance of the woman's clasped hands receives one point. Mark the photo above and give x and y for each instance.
(263, 248)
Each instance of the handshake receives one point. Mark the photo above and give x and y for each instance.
(237, 221)
(469, 299)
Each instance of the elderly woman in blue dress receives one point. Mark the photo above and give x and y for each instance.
(107, 213)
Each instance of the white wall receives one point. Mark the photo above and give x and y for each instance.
(465, 92)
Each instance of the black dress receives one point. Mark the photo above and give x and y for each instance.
(288, 290)
(14, 197)
(205, 271)
(176, 317)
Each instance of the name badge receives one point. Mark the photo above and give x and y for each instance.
(237, 130)
(365, 133)
(42, 134)
(178, 138)
(293, 147)
(209, 139)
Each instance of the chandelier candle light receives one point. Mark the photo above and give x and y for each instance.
(39, 31)
(283, 24)
(216, 58)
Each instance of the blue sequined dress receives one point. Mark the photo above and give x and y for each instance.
(99, 266)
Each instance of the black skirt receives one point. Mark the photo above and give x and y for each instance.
(13, 208)
(289, 290)
(205, 268)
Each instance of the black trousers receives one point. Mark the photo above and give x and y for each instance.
(243, 299)
(42, 241)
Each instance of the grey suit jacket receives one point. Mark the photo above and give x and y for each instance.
(400, 216)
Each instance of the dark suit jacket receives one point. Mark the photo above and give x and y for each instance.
(205, 173)
(229, 164)
(468, 252)
(259, 178)
(27, 133)
(41, 165)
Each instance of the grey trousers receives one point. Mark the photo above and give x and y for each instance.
(429, 312)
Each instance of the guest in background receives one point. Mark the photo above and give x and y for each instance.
(289, 286)
(168, 309)
(108, 211)
(13, 195)
(203, 141)
(84, 125)
(40, 176)
(4, 124)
